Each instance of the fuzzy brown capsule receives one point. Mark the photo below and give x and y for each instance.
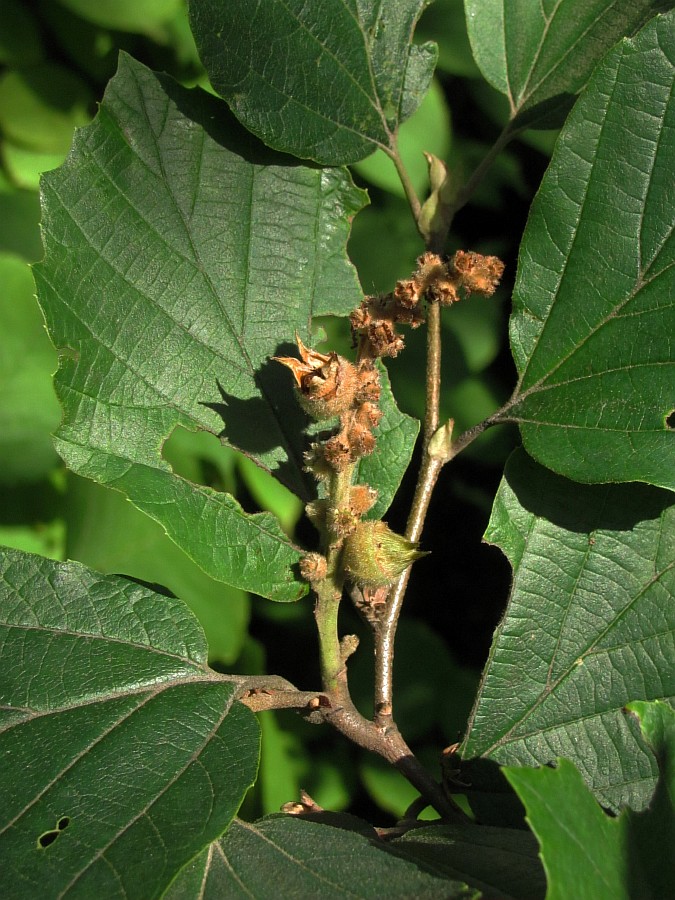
(374, 555)
(326, 383)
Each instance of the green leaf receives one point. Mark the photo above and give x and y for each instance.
(25, 166)
(20, 42)
(41, 105)
(123, 754)
(386, 466)
(541, 55)
(325, 81)
(309, 860)
(586, 853)
(180, 255)
(428, 129)
(500, 862)
(589, 626)
(29, 410)
(107, 533)
(593, 318)
(444, 21)
(126, 15)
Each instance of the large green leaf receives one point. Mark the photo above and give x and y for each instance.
(180, 256)
(540, 54)
(323, 80)
(589, 627)
(593, 321)
(123, 754)
(586, 853)
(286, 856)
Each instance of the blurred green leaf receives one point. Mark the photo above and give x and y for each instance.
(110, 535)
(270, 494)
(41, 105)
(593, 318)
(387, 787)
(29, 411)
(444, 21)
(309, 860)
(355, 75)
(476, 323)
(383, 246)
(133, 747)
(588, 854)
(590, 623)
(428, 129)
(25, 165)
(20, 218)
(126, 15)
(197, 237)
(540, 56)
(20, 42)
(45, 539)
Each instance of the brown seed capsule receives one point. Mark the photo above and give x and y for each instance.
(326, 383)
(479, 274)
(374, 555)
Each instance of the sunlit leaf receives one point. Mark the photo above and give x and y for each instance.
(590, 625)
(593, 321)
(180, 256)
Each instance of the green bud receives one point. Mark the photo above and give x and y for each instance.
(374, 555)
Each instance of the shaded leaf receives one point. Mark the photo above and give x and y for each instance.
(325, 81)
(116, 735)
(589, 626)
(585, 852)
(593, 321)
(180, 255)
(541, 54)
(500, 862)
(309, 860)
(386, 466)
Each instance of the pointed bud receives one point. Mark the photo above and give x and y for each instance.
(375, 556)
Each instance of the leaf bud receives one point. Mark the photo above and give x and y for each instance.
(374, 555)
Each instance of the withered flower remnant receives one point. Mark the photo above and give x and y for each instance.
(325, 382)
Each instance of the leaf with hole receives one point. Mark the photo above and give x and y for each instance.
(128, 755)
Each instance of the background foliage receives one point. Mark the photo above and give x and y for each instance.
(56, 61)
